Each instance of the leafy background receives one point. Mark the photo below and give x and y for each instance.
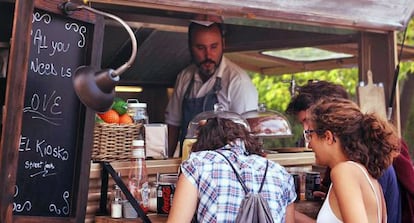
(275, 92)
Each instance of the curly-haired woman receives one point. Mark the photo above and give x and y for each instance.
(357, 147)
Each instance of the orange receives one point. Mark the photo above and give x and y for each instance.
(111, 116)
(125, 119)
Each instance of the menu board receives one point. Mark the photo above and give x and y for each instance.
(51, 136)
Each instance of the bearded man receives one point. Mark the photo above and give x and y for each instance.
(210, 79)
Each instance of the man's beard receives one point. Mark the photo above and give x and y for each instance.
(208, 72)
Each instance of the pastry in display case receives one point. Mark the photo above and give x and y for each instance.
(270, 125)
(267, 123)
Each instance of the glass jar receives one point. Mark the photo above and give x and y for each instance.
(138, 111)
(116, 205)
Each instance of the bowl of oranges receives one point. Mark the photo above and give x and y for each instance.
(113, 133)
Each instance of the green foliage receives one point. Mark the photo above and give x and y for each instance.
(409, 39)
(408, 133)
(275, 93)
(406, 66)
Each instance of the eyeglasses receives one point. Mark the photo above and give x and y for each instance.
(307, 134)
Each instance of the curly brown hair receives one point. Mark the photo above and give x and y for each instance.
(310, 93)
(216, 132)
(365, 138)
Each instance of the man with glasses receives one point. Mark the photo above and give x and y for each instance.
(308, 95)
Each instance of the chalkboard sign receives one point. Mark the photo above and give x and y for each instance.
(50, 141)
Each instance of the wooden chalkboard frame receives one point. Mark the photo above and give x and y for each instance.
(14, 102)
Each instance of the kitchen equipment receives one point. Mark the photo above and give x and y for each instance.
(267, 123)
(371, 97)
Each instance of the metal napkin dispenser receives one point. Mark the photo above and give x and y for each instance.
(156, 140)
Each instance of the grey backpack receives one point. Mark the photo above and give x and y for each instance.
(254, 208)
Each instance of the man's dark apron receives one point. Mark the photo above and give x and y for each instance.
(193, 106)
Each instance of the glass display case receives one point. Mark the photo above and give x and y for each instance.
(267, 123)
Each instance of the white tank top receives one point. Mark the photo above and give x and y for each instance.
(326, 214)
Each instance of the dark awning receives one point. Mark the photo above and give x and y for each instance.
(380, 15)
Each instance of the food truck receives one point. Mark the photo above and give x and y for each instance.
(47, 133)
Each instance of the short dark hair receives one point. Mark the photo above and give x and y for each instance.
(196, 26)
(310, 93)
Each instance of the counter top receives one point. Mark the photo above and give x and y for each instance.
(293, 159)
(172, 165)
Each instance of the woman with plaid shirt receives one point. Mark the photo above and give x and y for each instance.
(209, 187)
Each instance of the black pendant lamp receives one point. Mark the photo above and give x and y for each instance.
(96, 88)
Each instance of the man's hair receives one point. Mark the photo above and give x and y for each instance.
(193, 27)
(310, 93)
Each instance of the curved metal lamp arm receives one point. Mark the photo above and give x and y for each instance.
(68, 7)
(95, 88)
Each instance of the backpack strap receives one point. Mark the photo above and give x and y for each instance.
(264, 177)
(246, 190)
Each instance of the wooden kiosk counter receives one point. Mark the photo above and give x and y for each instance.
(46, 173)
(302, 161)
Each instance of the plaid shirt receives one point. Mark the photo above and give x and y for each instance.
(220, 193)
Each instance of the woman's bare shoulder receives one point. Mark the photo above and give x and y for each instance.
(345, 169)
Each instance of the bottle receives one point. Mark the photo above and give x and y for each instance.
(138, 177)
(116, 205)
